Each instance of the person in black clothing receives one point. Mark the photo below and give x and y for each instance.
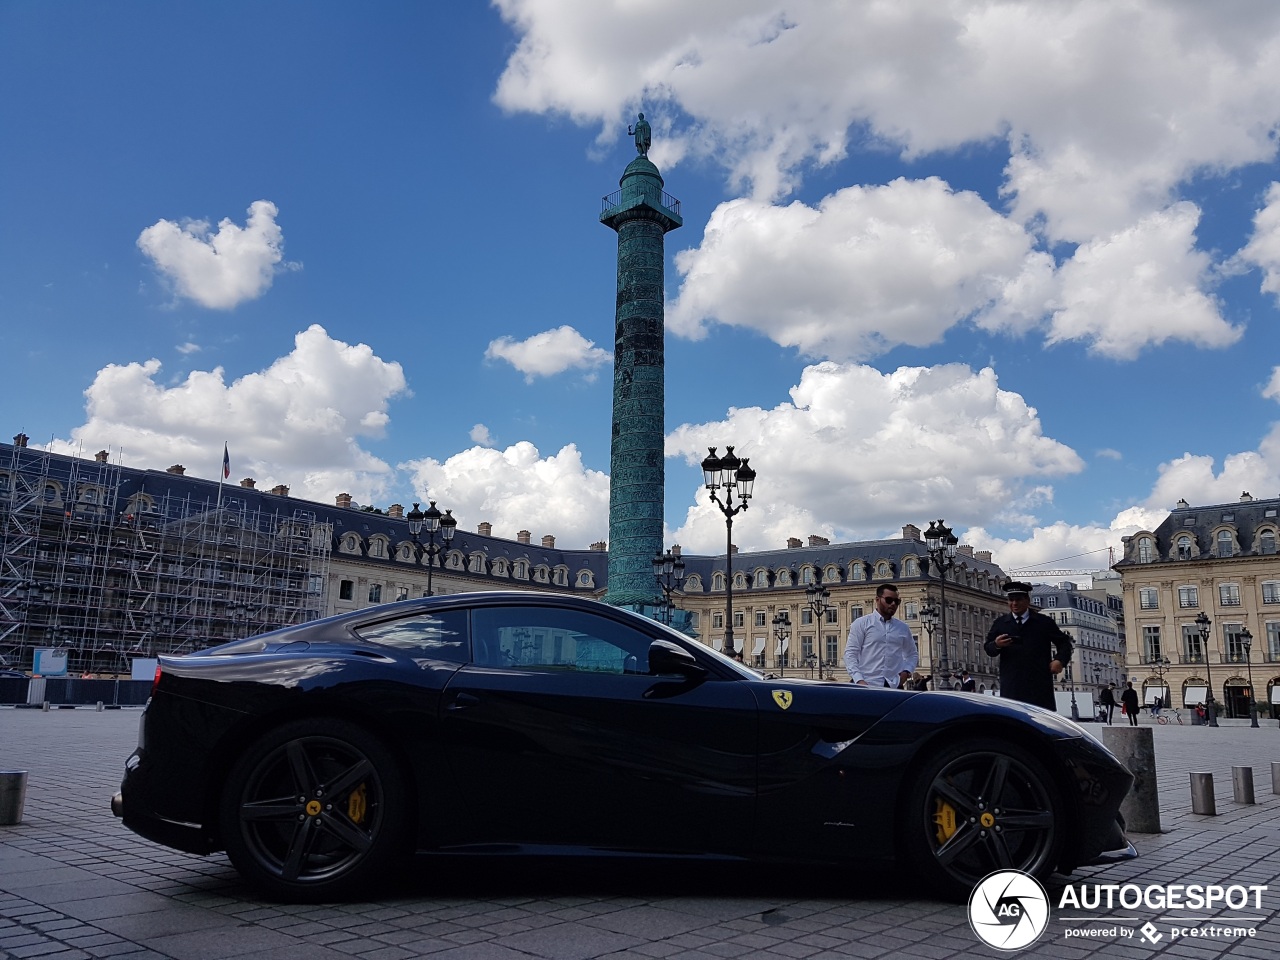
(1108, 700)
(1130, 700)
(1031, 648)
(967, 683)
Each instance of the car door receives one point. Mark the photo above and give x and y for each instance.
(559, 735)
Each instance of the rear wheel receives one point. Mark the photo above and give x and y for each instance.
(978, 807)
(315, 810)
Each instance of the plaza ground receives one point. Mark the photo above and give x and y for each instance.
(74, 883)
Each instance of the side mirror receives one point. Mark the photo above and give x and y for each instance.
(667, 658)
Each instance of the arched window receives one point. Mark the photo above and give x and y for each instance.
(1184, 547)
(857, 572)
(1146, 550)
(1225, 544)
(806, 575)
(717, 581)
(883, 570)
(1267, 541)
(783, 579)
(762, 578)
(910, 568)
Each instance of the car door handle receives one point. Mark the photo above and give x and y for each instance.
(462, 701)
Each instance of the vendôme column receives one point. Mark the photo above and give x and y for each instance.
(642, 214)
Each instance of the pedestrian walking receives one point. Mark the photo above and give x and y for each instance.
(1108, 701)
(1130, 700)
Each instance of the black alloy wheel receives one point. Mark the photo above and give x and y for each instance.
(315, 810)
(978, 807)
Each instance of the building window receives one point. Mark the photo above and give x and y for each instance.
(1267, 542)
(375, 593)
(1188, 597)
(783, 579)
(1148, 598)
(717, 581)
(1271, 591)
(1184, 547)
(857, 572)
(806, 575)
(760, 618)
(584, 578)
(1273, 641)
(717, 621)
(806, 617)
(402, 593)
(910, 568)
(1224, 544)
(1150, 643)
(832, 649)
(833, 615)
(1231, 641)
(1192, 644)
(346, 589)
(1146, 550)
(883, 571)
(1050, 601)
(377, 549)
(1229, 594)
(739, 619)
(762, 578)
(910, 610)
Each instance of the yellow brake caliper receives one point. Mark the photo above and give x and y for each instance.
(357, 805)
(944, 818)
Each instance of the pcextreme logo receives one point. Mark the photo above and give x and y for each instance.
(1008, 910)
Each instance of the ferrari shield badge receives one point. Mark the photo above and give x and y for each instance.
(782, 698)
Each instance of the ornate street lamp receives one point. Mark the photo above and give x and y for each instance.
(668, 570)
(730, 474)
(1246, 641)
(1210, 706)
(1160, 666)
(818, 598)
(435, 521)
(782, 632)
(941, 544)
(929, 618)
(1067, 679)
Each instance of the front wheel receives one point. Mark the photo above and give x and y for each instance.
(315, 810)
(981, 806)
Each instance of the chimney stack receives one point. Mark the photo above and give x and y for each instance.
(549, 542)
(177, 470)
(248, 483)
(524, 536)
(344, 500)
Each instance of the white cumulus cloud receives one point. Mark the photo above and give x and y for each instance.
(549, 353)
(870, 451)
(218, 269)
(518, 489)
(1263, 248)
(868, 269)
(295, 423)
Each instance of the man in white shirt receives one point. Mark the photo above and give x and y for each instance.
(880, 652)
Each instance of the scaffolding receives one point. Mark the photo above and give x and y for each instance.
(107, 563)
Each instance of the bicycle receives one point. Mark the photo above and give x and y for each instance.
(1168, 715)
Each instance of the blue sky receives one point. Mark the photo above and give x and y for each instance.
(1011, 264)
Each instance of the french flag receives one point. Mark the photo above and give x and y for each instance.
(226, 462)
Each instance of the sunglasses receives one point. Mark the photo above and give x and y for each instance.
(894, 600)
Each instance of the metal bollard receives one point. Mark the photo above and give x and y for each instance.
(1275, 776)
(1242, 784)
(13, 794)
(99, 706)
(1202, 795)
(45, 706)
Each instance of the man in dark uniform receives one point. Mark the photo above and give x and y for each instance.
(1031, 648)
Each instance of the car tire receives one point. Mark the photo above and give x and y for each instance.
(315, 810)
(977, 807)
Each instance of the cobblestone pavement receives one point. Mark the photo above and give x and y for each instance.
(74, 883)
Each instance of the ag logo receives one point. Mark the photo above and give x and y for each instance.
(1008, 910)
(782, 698)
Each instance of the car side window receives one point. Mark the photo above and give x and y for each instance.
(434, 636)
(546, 638)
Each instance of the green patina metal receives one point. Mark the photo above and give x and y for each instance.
(642, 214)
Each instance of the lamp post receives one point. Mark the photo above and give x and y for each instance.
(1246, 641)
(817, 597)
(1210, 707)
(929, 617)
(1067, 679)
(941, 544)
(782, 633)
(1160, 666)
(730, 474)
(668, 570)
(434, 521)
